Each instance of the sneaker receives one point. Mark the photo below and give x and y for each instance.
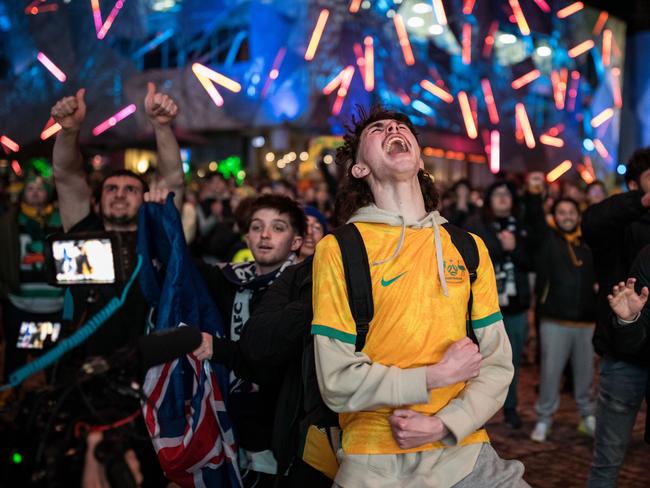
(512, 418)
(540, 432)
(588, 425)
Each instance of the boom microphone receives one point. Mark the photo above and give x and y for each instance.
(166, 345)
(148, 351)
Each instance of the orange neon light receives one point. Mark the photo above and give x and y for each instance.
(489, 39)
(581, 48)
(551, 141)
(369, 58)
(9, 143)
(602, 117)
(218, 78)
(336, 81)
(468, 118)
(586, 175)
(439, 12)
(50, 129)
(573, 90)
(519, 17)
(206, 76)
(558, 171)
(316, 34)
(607, 47)
(524, 123)
(602, 150)
(435, 90)
(467, 43)
(342, 92)
(570, 10)
(354, 6)
(525, 79)
(489, 101)
(600, 23)
(97, 15)
(404, 40)
(468, 6)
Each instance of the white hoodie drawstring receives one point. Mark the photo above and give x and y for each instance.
(439, 258)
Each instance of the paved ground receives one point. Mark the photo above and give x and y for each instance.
(563, 461)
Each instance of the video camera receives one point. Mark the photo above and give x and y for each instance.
(89, 258)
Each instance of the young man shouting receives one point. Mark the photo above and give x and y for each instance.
(413, 402)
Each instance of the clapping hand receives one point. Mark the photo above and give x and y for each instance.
(624, 300)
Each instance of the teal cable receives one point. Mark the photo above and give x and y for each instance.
(88, 329)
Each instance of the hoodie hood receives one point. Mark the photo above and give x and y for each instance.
(372, 214)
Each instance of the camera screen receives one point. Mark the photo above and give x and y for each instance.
(34, 334)
(88, 261)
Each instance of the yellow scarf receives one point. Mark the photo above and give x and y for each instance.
(34, 213)
(573, 239)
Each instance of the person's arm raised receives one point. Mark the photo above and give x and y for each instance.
(69, 176)
(161, 111)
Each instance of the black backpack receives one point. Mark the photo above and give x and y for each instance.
(357, 278)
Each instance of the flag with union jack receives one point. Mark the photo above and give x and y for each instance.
(184, 410)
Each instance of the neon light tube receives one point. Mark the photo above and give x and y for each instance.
(9, 143)
(602, 117)
(570, 10)
(519, 17)
(468, 6)
(110, 19)
(468, 118)
(435, 90)
(495, 151)
(581, 48)
(222, 80)
(110, 122)
(607, 47)
(316, 34)
(467, 43)
(369, 62)
(602, 150)
(524, 124)
(551, 141)
(51, 67)
(489, 101)
(404, 40)
(50, 129)
(525, 79)
(439, 12)
(558, 171)
(600, 23)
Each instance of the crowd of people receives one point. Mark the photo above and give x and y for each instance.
(314, 397)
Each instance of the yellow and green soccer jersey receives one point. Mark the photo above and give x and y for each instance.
(413, 324)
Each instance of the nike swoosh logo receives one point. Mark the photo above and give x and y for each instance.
(386, 283)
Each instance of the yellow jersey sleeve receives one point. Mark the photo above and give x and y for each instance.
(485, 307)
(332, 315)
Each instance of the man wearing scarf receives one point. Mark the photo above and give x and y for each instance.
(25, 295)
(566, 303)
(274, 235)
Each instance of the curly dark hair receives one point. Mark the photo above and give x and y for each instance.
(355, 193)
(638, 163)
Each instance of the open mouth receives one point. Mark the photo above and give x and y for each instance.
(395, 144)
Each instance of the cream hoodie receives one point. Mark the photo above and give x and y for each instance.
(349, 381)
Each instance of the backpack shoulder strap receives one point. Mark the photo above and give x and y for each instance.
(357, 279)
(468, 249)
